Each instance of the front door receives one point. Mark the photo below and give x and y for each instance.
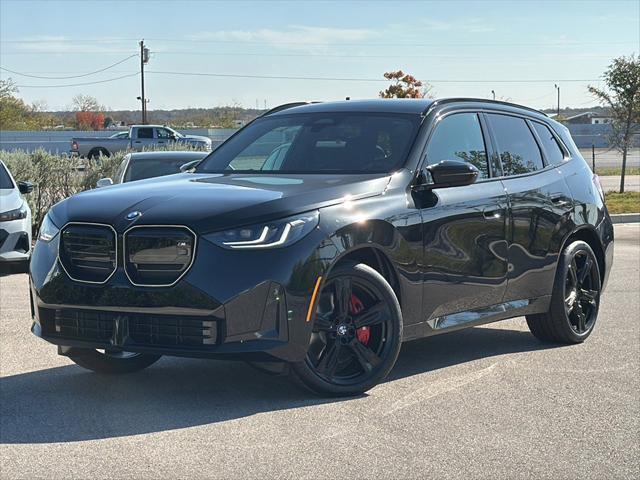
(465, 264)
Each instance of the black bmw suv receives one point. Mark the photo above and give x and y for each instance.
(321, 236)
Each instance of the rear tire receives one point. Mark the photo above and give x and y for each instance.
(113, 363)
(96, 153)
(356, 336)
(575, 299)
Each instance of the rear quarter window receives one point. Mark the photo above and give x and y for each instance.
(553, 152)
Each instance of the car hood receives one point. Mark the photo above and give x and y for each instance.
(197, 138)
(10, 199)
(208, 202)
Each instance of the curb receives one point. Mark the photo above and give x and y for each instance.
(625, 218)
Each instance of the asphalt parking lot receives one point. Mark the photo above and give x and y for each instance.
(489, 402)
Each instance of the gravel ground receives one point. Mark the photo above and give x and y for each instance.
(489, 402)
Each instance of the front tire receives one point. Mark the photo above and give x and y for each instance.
(356, 336)
(575, 299)
(113, 362)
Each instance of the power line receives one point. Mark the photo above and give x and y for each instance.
(80, 84)
(347, 79)
(70, 76)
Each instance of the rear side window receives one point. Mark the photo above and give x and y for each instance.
(5, 179)
(552, 150)
(459, 137)
(145, 133)
(517, 147)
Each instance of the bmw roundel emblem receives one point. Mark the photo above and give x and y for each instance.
(133, 215)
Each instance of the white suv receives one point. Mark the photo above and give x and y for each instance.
(15, 221)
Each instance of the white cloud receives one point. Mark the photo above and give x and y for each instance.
(294, 37)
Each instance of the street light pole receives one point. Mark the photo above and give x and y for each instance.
(493, 92)
(558, 108)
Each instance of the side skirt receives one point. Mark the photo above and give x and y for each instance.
(480, 316)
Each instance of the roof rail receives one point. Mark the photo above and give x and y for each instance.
(483, 100)
(285, 106)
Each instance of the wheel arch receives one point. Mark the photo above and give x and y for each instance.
(373, 256)
(588, 234)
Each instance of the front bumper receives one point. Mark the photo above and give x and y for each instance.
(230, 304)
(15, 240)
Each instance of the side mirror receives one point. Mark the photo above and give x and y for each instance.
(451, 173)
(189, 166)
(104, 182)
(25, 187)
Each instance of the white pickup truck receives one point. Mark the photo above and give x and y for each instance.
(137, 138)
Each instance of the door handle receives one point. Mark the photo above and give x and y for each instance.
(138, 141)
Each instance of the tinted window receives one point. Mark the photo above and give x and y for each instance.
(145, 133)
(552, 150)
(518, 149)
(140, 169)
(459, 137)
(318, 143)
(5, 179)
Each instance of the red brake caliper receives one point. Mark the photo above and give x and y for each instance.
(355, 307)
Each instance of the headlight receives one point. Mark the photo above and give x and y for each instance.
(48, 229)
(17, 214)
(279, 233)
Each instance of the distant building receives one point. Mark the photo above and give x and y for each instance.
(592, 118)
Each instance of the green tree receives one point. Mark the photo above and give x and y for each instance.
(404, 86)
(622, 96)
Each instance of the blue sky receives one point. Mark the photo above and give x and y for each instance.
(461, 47)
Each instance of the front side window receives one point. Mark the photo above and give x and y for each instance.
(552, 149)
(518, 149)
(5, 179)
(459, 137)
(145, 133)
(317, 143)
(164, 133)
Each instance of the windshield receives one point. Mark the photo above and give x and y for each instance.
(5, 179)
(317, 143)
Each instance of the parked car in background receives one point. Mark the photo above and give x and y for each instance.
(371, 223)
(138, 138)
(15, 221)
(142, 165)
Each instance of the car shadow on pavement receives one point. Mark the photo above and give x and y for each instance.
(66, 404)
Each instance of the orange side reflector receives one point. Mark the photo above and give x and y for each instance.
(312, 303)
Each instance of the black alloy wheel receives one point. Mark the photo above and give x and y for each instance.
(356, 333)
(575, 300)
(582, 292)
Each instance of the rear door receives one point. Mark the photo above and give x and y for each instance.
(539, 205)
(144, 138)
(464, 227)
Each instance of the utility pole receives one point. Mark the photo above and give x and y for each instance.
(558, 109)
(144, 58)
